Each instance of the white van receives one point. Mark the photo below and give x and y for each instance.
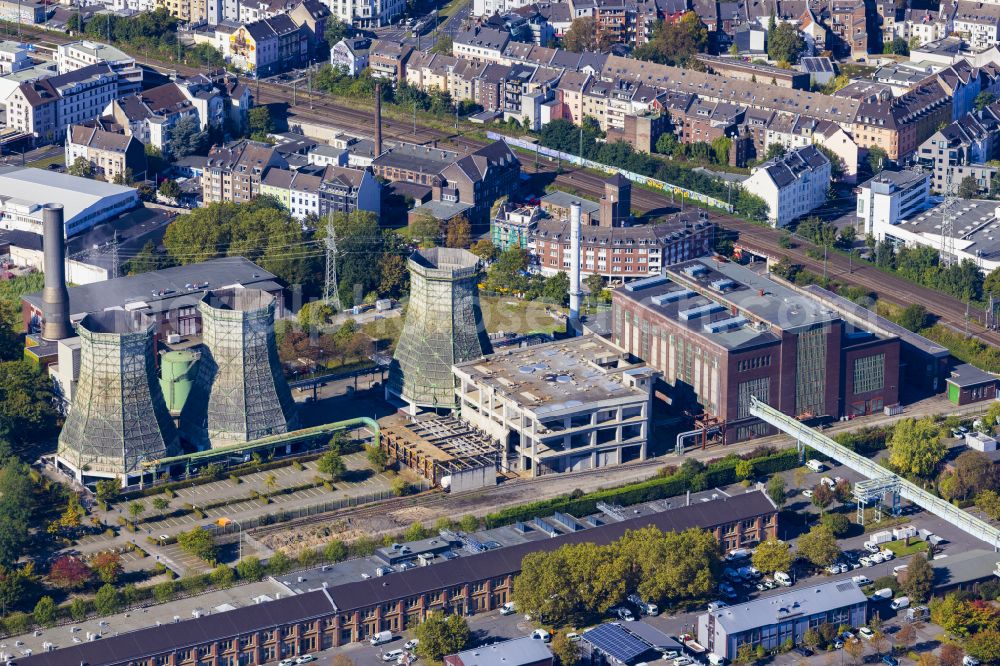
(815, 465)
(716, 660)
(879, 595)
(900, 603)
(782, 578)
(380, 638)
(508, 608)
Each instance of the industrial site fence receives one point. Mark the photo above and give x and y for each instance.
(669, 188)
(285, 515)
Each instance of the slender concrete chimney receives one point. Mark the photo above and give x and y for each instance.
(574, 267)
(378, 119)
(55, 297)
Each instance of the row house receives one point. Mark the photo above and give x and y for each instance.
(111, 154)
(704, 122)
(350, 55)
(481, 44)
(387, 59)
(978, 23)
(963, 83)
(525, 88)
(297, 192)
(430, 71)
(44, 108)
(568, 95)
(849, 25)
(901, 124)
(344, 190)
(800, 131)
(962, 149)
(233, 173)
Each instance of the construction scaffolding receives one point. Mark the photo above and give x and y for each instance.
(119, 418)
(444, 450)
(240, 393)
(443, 327)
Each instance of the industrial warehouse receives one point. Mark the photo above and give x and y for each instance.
(325, 612)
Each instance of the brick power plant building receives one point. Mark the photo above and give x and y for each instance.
(720, 333)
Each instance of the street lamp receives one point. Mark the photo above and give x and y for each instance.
(222, 522)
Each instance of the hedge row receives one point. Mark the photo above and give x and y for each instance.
(717, 473)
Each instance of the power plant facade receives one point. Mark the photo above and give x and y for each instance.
(444, 326)
(240, 393)
(119, 418)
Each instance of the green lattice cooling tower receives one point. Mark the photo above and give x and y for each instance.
(443, 326)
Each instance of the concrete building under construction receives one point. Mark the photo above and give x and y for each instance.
(119, 419)
(240, 393)
(443, 327)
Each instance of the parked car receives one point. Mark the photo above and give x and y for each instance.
(508, 608)
(807, 493)
(828, 482)
(872, 547)
(833, 569)
(541, 635)
(865, 561)
(876, 558)
(803, 651)
(287, 662)
(411, 644)
(781, 578)
(887, 554)
(969, 660)
(866, 633)
(392, 655)
(716, 605)
(624, 614)
(683, 661)
(305, 659)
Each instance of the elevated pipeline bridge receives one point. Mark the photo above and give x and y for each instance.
(283, 439)
(881, 480)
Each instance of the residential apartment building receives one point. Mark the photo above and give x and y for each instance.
(110, 153)
(45, 107)
(978, 23)
(351, 54)
(269, 46)
(387, 59)
(344, 190)
(962, 149)
(720, 333)
(189, 11)
(77, 55)
(891, 196)
(792, 184)
(899, 125)
(234, 173)
(367, 14)
(481, 44)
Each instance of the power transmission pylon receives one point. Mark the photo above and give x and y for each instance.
(331, 294)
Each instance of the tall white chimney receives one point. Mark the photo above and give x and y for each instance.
(574, 267)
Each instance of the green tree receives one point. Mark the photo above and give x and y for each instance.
(772, 555)
(913, 317)
(582, 36)
(744, 470)
(187, 138)
(776, 490)
(107, 601)
(785, 44)
(81, 167)
(199, 542)
(459, 233)
(556, 288)
(260, 122)
(170, 189)
(838, 524)
(440, 635)
(136, 509)
(565, 650)
(676, 42)
(918, 579)
(897, 46)
(968, 188)
(164, 592)
(972, 472)
(377, 457)
(78, 609)
(17, 506)
(984, 99)
(425, 229)
(819, 546)
(222, 576)
(915, 447)
(45, 612)
(877, 159)
(485, 249)
(250, 569)
(331, 464)
(443, 45)
(335, 551)
(335, 31)
(149, 258)
(667, 144)
(822, 496)
(984, 646)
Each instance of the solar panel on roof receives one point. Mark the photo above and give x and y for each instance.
(617, 643)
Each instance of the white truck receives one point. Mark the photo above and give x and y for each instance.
(380, 638)
(781, 578)
(815, 465)
(691, 644)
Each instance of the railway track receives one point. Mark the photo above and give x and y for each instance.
(949, 311)
(436, 498)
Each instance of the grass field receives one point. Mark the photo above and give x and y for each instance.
(508, 314)
(900, 549)
(48, 161)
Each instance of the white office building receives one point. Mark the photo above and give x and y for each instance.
(891, 196)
